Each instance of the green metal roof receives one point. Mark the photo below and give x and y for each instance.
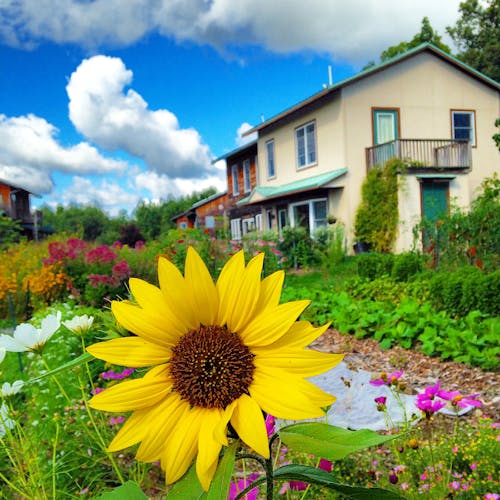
(435, 176)
(248, 145)
(315, 182)
(209, 198)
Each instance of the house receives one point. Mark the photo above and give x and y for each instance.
(425, 107)
(15, 203)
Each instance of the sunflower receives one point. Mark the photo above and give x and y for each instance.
(220, 353)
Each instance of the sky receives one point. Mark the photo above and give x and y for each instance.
(116, 102)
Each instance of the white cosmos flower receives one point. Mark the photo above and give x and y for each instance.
(5, 421)
(28, 338)
(11, 389)
(79, 324)
(2, 353)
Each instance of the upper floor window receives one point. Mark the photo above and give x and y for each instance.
(271, 170)
(234, 175)
(246, 176)
(463, 125)
(306, 144)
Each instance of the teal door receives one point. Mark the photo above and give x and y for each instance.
(434, 208)
(385, 130)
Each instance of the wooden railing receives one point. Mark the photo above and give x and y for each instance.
(422, 154)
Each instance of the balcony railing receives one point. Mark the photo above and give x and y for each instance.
(422, 154)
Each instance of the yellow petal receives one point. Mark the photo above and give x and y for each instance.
(151, 298)
(302, 362)
(162, 419)
(273, 323)
(249, 423)
(132, 431)
(301, 334)
(142, 323)
(130, 351)
(270, 291)
(208, 447)
(287, 397)
(176, 293)
(220, 432)
(182, 444)
(247, 295)
(201, 287)
(135, 394)
(228, 284)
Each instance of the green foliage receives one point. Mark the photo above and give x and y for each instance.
(477, 36)
(496, 137)
(406, 265)
(297, 247)
(330, 247)
(10, 231)
(375, 265)
(377, 215)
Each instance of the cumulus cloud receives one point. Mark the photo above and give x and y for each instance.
(114, 118)
(242, 140)
(355, 31)
(29, 152)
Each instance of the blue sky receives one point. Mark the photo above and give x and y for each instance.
(109, 102)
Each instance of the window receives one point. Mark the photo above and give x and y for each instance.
(248, 225)
(246, 176)
(234, 174)
(282, 218)
(462, 123)
(236, 229)
(183, 225)
(306, 145)
(271, 171)
(258, 222)
(270, 217)
(309, 214)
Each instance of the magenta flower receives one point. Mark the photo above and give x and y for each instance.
(456, 399)
(325, 465)
(235, 488)
(387, 379)
(491, 496)
(270, 421)
(427, 402)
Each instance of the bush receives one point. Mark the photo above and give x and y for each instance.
(375, 265)
(406, 265)
(296, 246)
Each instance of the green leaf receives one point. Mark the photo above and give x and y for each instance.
(312, 475)
(83, 358)
(128, 490)
(222, 479)
(188, 487)
(328, 441)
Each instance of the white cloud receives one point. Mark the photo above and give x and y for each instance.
(241, 140)
(114, 118)
(29, 152)
(355, 31)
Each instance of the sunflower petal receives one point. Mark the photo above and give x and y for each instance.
(220, 432)
(228, 285)
(300, 334)
(142, 323)
(287, 397)
(175, 290)
(180, 449)
(270, 291)
(248, 422)
(247, 295)
(135, 394)
(132, 431)
(302, 362)
(273, 323)
(201, 287)
(162, 419)
(136, 351)
(208, 447)
(151, 298)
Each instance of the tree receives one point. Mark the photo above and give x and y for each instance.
(477, 36)
(426, 35)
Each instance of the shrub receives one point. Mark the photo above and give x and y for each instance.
(407, 265)
(296, 246)
(375, 265)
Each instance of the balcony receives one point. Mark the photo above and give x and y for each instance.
(423, 155)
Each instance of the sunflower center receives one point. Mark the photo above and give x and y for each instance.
(211, 367)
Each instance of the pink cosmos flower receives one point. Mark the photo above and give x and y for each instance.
(270, 421)
(456, 399)
(235, 488)
(387, 379)
(427, 402)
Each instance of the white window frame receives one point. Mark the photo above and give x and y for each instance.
(248, 225)
(269, 217)
(312, 219)
(472, 128)
(287, 218)
(308, 144)
(258, 222)
(234, 175)
(246, 176)
(236, 229)
(270, 159)
(183, 225)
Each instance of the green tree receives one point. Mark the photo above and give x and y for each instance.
(10, 231)
(477, 36)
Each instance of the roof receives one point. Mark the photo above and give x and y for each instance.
(261, 193)
(17, 186)
(375, 69)
(208, 199)
(240, 149)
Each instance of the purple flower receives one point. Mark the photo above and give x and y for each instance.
(270, 421)
(387, 379)
(325, 465)
(491, 496)
(235, 488)
(456, 399)
(427, 402)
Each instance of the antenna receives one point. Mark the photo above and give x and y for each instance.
(330, 76)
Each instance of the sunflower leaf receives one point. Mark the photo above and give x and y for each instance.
(128, 490)
(83, 358)
(312, 475)
(328, 441)
(222, 479)
(187, 487)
